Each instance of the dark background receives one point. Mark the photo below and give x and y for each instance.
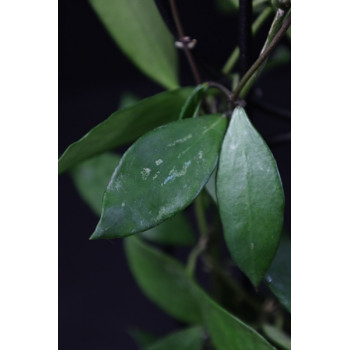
(98, 299)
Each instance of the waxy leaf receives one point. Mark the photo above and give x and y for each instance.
(188, 339)
(250, 197)
(91, 178)
(191, 107)
(163, 280)
(226, 331)
(140, 32)
(278, 275)
(125, 125)
(160, 175)
(277, 336)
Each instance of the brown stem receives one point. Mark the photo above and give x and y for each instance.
(182, 39)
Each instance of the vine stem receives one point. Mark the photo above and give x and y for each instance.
(184, 42)
(232, 60)
(261, 59)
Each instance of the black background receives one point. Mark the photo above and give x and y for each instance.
(98, 299)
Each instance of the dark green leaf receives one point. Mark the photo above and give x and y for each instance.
(188, 339)
(91, 178)
(142, 338)
(278, 276)
(250, 197)
(163, 280)
(127, 100)
(191, 107)
(210, 186)
(226, 331)
(174, 231)
(140, 32)
(277, 336)
(160, 175)
(125, 125)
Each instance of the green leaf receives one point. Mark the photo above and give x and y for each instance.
(127, 100)
(91, 178)
(188, 339)
(142, 338)
(163, 280)
(277, 336)
(174, 231)
(250, 197)
(141, 34)
(125, 125)
(191, 107)
(160, 175)
(226, 331)
(278, 276)
(211, 187)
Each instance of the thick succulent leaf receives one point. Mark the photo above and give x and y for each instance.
(191, 107)
(277, 336)
(91, 178)
(125, 125)
(163, 280)
(250, 197)
(278, 276)
(226, 331)
(140, 32)
(188, 339)
(160, 175)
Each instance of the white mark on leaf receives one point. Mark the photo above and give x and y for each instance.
(177, 173)
(159, 162)
(251, 245)
(145, 173)
(123, 204)
(180, 140)
(156, 175)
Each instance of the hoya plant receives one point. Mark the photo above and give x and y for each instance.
(187, 168)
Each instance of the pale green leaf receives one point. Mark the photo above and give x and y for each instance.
(277, 336)
(139, 30)
(250, 197)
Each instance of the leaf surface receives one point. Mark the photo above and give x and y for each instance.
(227, 332)
(277, 336)
(250, 197)
(91, 178)
(278, 276)
(163, 280)
(188, 339)
(140, 32)
(125, 125)
(191, 107)
(160, 175)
